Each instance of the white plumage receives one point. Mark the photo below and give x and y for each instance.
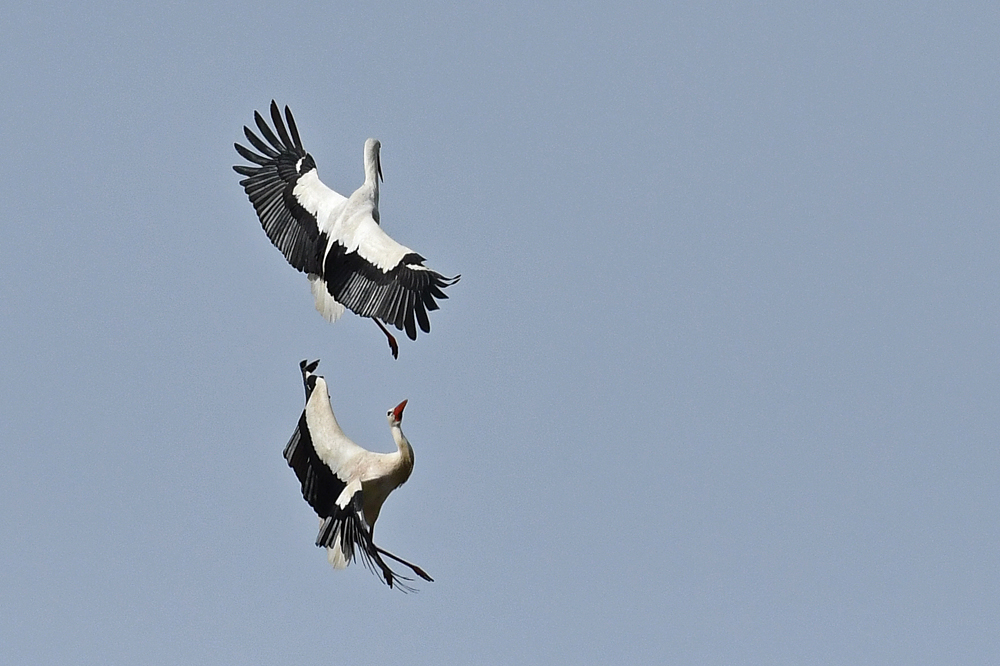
(336, 240)
(345, 484)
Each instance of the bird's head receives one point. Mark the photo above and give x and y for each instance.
(395, 415)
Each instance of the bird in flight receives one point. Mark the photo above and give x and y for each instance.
(336, 240)
(345, 484)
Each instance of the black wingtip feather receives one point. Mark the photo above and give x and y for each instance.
(422, 320)
(411, 329)
(266, 131)
(248, 154)
(296, 141)
(279, 125)
(258, 144)
(308, 378)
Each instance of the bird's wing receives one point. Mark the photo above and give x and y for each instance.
(320, 486)
(347, 534)
(319, 452)
(400, 293)
(285, 190)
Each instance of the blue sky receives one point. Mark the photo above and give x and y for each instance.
(718, 385)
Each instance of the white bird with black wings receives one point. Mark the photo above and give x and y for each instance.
(346, 484)
(336, 240)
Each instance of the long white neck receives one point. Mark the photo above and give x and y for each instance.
(405, 453)
(372, 147)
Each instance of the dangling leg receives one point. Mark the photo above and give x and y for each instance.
(392, 341)
(417, 570)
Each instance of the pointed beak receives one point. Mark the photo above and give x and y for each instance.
(397, 413)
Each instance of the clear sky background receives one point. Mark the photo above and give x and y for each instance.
(719, 385)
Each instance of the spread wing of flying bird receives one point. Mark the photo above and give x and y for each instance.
(345, 484)
(336, 240)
